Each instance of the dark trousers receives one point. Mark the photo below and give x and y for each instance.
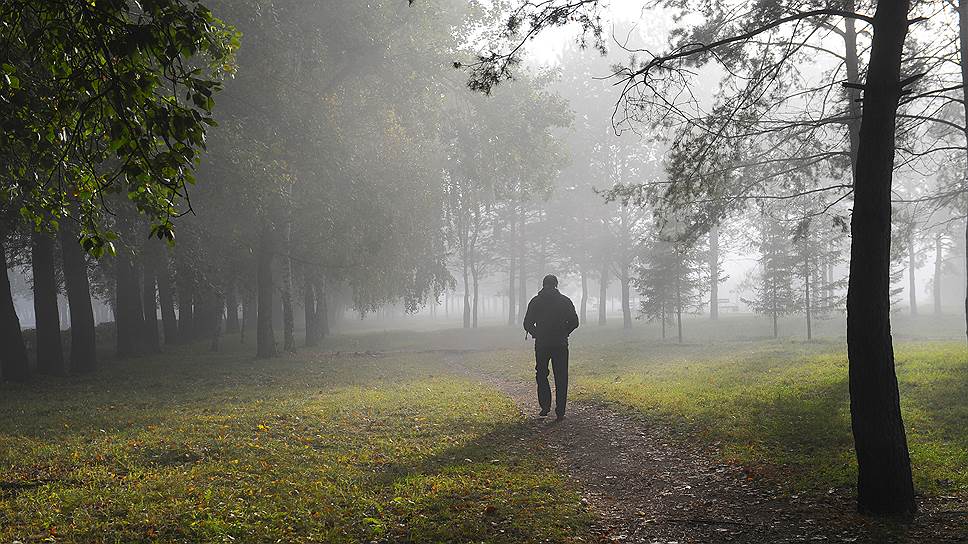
(558, 355)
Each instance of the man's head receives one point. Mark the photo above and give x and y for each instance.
(550, 281)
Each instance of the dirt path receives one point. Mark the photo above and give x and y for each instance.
(649, 484)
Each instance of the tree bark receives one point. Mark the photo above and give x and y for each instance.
(311, 307)
(50, 353)
(475, 280)
(963, 48)
(185, 279)
(14, 363)
(288, 314)
(231, 308)
(884, 483)
(467, 294)
(166, 299)
(129, 315)
(714, 272)
(265, 340)
(78, 287)
(679, 299)
(149, 298)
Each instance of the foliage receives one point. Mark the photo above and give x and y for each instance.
(107, 98)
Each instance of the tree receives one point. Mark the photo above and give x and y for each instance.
(670, 280)
(774, 291)
(92, 102)
(884, 475)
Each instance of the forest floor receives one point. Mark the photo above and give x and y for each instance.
(431, 437)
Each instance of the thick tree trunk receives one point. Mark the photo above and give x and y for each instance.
(963, 48)
(884, 483)
(603, 293)
(129, 316)
(231, 309)
(938, 272)
(166, 299)
(714, 272)
(310, 313)
(265, 339)
(78, 287)
(149, 298)
(14, 363)
(50, 353)
(626, 298)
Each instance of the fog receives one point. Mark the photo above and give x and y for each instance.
(747, 223)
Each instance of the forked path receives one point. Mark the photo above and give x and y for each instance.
(648, 483)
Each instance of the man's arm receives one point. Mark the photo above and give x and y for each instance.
(572, 320)
(529, 322)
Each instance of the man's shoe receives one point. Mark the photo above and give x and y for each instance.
(559, 417)
(544, 413)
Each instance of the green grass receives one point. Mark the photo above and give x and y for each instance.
(780, 407)
(216, 448)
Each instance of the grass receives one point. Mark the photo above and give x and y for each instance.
(217, 448)
(780, 407)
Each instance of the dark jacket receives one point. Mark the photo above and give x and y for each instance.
(551, 318)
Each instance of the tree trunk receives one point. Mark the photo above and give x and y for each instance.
(149, 298)
(626, 299)
(14, 364)
(963, 50)
(806, 298)
(714, 272)
(78, 287)
(218, 307)
(129, 317)
(166, 299)
(265, 339)
(584, 294)
(852, 65)
(938, 272)
(309, 311)
(475, 280)
(50, 354)
(322, 309)
(884, 483)
(288, 314)
(249, 318)
(231, 309)
(679, 300)
(467, 295)
(603, 293)
(185, 279)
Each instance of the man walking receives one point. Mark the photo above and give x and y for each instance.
(551, 317)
